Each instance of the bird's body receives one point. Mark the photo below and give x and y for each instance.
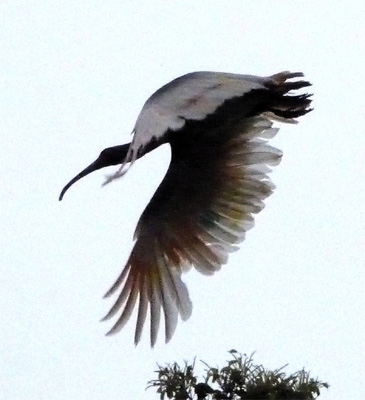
(217, 125)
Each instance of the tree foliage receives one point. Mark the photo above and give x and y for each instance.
(239, 379)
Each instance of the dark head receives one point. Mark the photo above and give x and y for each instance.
(109, 156)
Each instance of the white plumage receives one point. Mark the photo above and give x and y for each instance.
(192, 96)
(217, 125)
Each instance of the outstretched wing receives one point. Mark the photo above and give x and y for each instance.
(216, 182)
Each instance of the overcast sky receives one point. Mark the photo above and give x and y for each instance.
(74, 76)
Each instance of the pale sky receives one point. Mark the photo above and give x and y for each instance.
(74, 76)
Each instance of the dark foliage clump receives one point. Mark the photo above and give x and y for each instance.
(239, 379)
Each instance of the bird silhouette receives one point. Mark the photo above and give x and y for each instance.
(217, 125)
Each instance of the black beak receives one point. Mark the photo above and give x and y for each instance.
(88, 170)
(109, 156)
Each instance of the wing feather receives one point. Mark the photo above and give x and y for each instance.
(169, 306)
(178, 290)
(133, 291)
(220, 233)
(142, 308)
(155, 303)
(123, 296)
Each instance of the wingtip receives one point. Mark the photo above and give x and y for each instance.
(282, 81)
(283, 76)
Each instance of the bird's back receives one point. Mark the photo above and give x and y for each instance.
(189, 97)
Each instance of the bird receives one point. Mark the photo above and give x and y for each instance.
(217, 125)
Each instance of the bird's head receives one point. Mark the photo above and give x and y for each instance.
(109, 156)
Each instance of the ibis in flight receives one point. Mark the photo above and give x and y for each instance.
(217, 125)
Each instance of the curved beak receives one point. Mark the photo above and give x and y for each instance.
(91, 168)
(109, 156)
